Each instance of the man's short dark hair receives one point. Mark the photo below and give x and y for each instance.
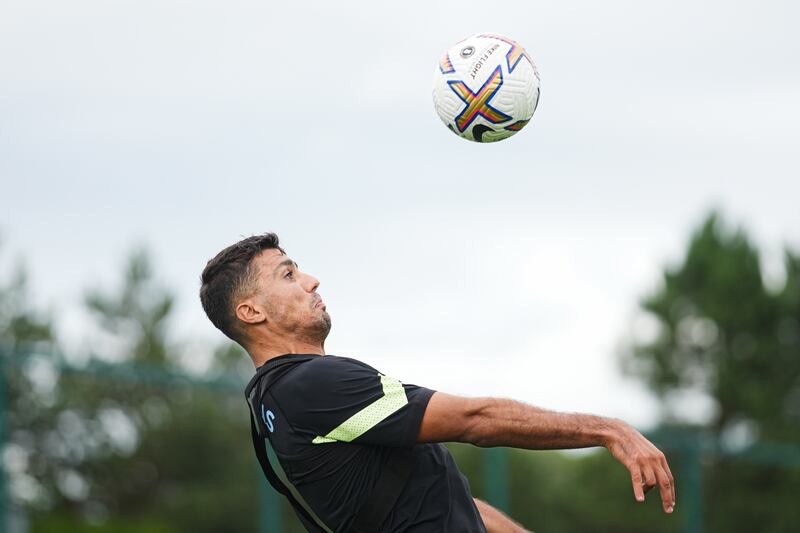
(228, 278)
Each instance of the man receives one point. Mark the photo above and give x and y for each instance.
(336, 426)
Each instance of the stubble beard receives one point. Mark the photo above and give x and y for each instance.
(313, 331)
(317, 331)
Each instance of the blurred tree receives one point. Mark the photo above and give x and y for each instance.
(137, 315)
(230, 359)
(27, 394)
(724, 335)
(21, 323)
(186, 459)
(568, 493)
(121, 446)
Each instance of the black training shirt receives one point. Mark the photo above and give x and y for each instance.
(332, 422)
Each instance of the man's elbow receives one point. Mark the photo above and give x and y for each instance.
(479, 425)
(451, 418)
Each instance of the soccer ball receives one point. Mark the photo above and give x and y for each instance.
(486, 88)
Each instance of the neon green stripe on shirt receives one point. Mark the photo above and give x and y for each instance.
(394, 397)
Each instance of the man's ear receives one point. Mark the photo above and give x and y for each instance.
(249, 313)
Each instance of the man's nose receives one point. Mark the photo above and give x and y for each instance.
(310, 283)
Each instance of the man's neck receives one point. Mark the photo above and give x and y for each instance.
(261, 352)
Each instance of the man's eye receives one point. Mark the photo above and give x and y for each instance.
(289, 275)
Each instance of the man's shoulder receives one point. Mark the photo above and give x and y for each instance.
(333, 363)
(322, 373)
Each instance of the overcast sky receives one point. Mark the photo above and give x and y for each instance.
(509, 269)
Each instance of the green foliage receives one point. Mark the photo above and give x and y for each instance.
(26, 408)
(724, 334)
(230, 359)
(189, 461)
(60, 523)
(554, 491)
(751, 497)
(137, 315)
(21, 324)
(106, 450)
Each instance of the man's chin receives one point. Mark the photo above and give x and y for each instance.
(326, 318)
(318, 331)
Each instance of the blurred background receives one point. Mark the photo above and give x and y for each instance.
(634, 252)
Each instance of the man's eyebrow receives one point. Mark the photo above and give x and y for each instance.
(285, 262)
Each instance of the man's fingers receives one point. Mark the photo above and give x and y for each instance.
(647, 465)
(636, 480)
(665, 488)
(669, 476)
(649, 478)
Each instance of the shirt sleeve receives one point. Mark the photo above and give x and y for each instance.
(338, 399)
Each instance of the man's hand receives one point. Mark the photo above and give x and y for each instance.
(645, 462)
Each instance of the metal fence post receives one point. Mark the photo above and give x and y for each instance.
(692, 474)
(270, 519)
(496, 469)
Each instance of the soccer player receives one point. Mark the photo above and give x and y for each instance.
(352, 446)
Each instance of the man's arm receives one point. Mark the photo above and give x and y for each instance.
(489, 422)
(495, 521)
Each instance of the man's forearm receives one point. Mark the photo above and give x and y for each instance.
(501, 422)
(494, 422)
(495, 521)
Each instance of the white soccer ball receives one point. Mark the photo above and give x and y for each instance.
(486, 88)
